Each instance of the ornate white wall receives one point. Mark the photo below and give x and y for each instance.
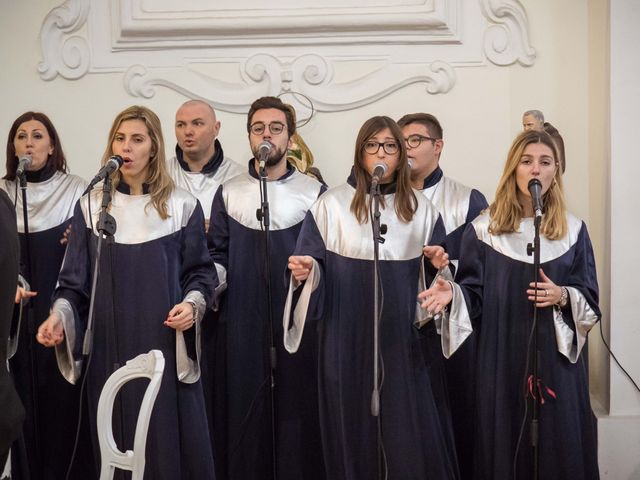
(476, 64)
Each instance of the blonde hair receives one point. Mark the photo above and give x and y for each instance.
(160, 183)
(506, 212)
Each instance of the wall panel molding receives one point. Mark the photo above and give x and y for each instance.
(295, 46)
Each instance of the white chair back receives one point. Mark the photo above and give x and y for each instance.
(149, 365)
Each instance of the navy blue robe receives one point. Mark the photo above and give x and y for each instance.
(152, 265)
(416, 440)
(458, 205)
(51, 403)
(494, 274)
(242, 427)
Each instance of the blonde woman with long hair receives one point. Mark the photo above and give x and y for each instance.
(155, 281)
(495, 288)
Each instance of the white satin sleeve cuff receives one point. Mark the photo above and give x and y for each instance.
(584, 318)
(69, 367)
(293, 334)
(454, 324)
(188, 369)
(222, 286)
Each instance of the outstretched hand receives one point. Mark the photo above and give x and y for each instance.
(22, 294)
(300, 266)
(436, 254)
(435, 299)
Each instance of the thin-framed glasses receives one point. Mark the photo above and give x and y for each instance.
(389, 148)
(276, 128)
(414, 141)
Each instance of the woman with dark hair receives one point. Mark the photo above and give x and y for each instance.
(334, 259)
(45, 449)
(156, 279)
(495, 286)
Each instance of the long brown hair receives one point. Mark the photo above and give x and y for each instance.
(506, 212)
(160, 183)
(406, 202)
(56, 160)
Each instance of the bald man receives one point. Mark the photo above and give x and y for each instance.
(200, 165)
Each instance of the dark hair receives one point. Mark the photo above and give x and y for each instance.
(406, 202)
(56, 160)
(429, 121)
(273, 102)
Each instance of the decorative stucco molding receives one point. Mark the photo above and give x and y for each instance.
(311, 75)
(63, 53)
(391, 45)
(506, 41)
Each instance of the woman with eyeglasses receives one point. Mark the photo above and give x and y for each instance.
(34, 148)
(495, 287)
(332, 276)
(155, 281)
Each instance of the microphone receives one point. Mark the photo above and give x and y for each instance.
(114, 163)
(378, 172)
(410, 163)
(23, 163)
(264, 149)
(535, 190)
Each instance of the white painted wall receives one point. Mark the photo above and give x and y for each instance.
(569, 81)
(480, 115)
(619, 430)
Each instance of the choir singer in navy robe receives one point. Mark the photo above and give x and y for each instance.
(264, 418)
(156, 279)
(458, 205)
(495, 286)
(334, 261)
(51, 403)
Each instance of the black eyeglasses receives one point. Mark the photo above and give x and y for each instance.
(276, 128)
(414, 141)
(372, 147)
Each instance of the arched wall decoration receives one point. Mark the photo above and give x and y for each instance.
(297, 46)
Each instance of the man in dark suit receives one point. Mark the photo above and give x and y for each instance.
(12, 411)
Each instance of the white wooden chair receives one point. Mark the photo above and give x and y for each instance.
(149, 365)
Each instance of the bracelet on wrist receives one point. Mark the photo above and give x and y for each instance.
(564, 297)
(195, 309)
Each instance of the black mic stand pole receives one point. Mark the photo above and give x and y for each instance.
(378, 231)
(263, 216)
(31, 322)
(106, 227)
(535, 410)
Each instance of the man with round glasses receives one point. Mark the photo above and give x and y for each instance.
(237, 243)
(458, 205)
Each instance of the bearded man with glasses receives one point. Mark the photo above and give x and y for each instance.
(243, 435)
(458, 206)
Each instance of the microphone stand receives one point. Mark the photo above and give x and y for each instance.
(31, 328)
(263, 216)
(535, 413)
(378, 231)
(106, 227)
